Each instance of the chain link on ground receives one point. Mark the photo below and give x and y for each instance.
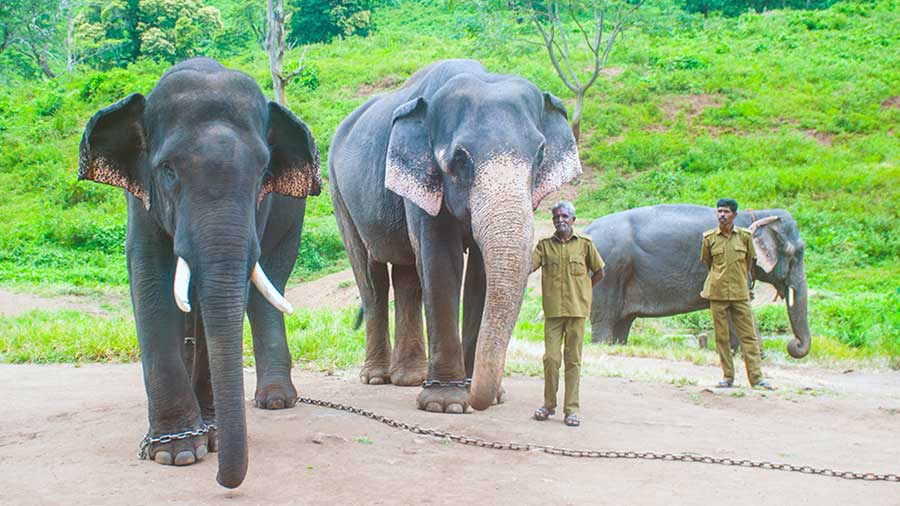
(599, 454)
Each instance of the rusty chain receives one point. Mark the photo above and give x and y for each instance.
(599, 454)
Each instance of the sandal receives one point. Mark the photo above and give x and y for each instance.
(725, 383)
(542, 413)
(765, 385)
(572, 420)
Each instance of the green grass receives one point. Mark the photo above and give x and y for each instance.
(793, 112)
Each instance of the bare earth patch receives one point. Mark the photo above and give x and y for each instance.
(893, 102)
(386, 83)
(823, 138)
(692, 105)
(13, 303)
(73, 435)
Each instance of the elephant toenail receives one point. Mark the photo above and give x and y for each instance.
(376, 380)
(184, 458)
(455, 408)
(434, 407)
(201, 451)
(163, 458)
(276, 404)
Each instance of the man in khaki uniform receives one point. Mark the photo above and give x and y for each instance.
(728, 254)
(572, 266)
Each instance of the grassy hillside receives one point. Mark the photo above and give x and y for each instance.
(791, 109)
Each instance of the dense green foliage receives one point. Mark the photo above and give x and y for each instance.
(796, 109)
(738, 7)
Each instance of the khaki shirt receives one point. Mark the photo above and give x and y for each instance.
(566, 278)
(728, 257)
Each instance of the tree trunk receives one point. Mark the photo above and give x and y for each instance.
(70, 40)
(275, 45)
(576, 114)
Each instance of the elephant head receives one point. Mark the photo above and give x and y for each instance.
(487, 151)
(779, 262)
(199, 154)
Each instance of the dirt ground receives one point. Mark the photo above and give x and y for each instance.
(69, 435)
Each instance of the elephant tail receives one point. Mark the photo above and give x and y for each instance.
(359, 317)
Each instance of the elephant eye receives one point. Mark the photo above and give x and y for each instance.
(168, 173)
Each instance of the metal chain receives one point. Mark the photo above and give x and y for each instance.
(599, 454)
(168, 438)
(466, 383)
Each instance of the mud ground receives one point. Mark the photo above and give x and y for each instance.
(69, 436)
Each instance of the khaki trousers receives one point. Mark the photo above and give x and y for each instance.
(557, 331)
(742, 318)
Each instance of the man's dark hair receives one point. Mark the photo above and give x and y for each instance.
(729, 203)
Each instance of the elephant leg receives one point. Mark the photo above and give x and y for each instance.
(372, 281)
(274, 388)
(201, 380)
(473, 306)
(409, 365)
(602, 326)
(621, 329)
(172, 406)
(440, 263)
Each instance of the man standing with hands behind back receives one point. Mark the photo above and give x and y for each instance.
(572, 266)
(728, 254)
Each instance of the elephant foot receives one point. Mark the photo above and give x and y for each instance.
(443, 399)
(409, 375)
(375, 375)
(275, 395)
(501, 396)
(182, 452)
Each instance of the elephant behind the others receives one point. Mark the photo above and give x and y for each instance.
(653, 266)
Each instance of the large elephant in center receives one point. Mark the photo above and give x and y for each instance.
(653, 266)
(210, 168)
(454, 161)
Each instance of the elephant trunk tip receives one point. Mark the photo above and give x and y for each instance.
(481, 395)
(796, 348)
(231, 479)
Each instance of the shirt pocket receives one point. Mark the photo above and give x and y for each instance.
(740, 252)
(577, 267)
(718, 253)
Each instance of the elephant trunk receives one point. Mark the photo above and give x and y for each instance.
(798, 310)
(222, 265)
(503, 228)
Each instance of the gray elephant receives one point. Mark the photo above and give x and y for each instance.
(653, 266)
(215, 177)
(454, 161)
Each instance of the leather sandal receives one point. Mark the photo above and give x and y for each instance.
(572, 420)
(542, 413)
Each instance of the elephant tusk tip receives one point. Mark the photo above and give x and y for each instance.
(183, 305)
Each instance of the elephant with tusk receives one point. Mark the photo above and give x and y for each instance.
(216, 178)
(455, 161)
(654, 268)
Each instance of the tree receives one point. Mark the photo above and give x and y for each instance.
(32, 28)
(173, 30)
(275, 44)
(322, 20)
(558, 20)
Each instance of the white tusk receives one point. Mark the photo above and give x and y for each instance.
(262, 283)
(181, 285)
(791, 297)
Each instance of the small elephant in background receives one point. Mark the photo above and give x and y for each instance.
(455, 161)
(653, 266)
(215, 178)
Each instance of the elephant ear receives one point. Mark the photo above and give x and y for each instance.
(561, 163)
(765, 242)
(112, 146)
(293, 157)
(410, 168)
